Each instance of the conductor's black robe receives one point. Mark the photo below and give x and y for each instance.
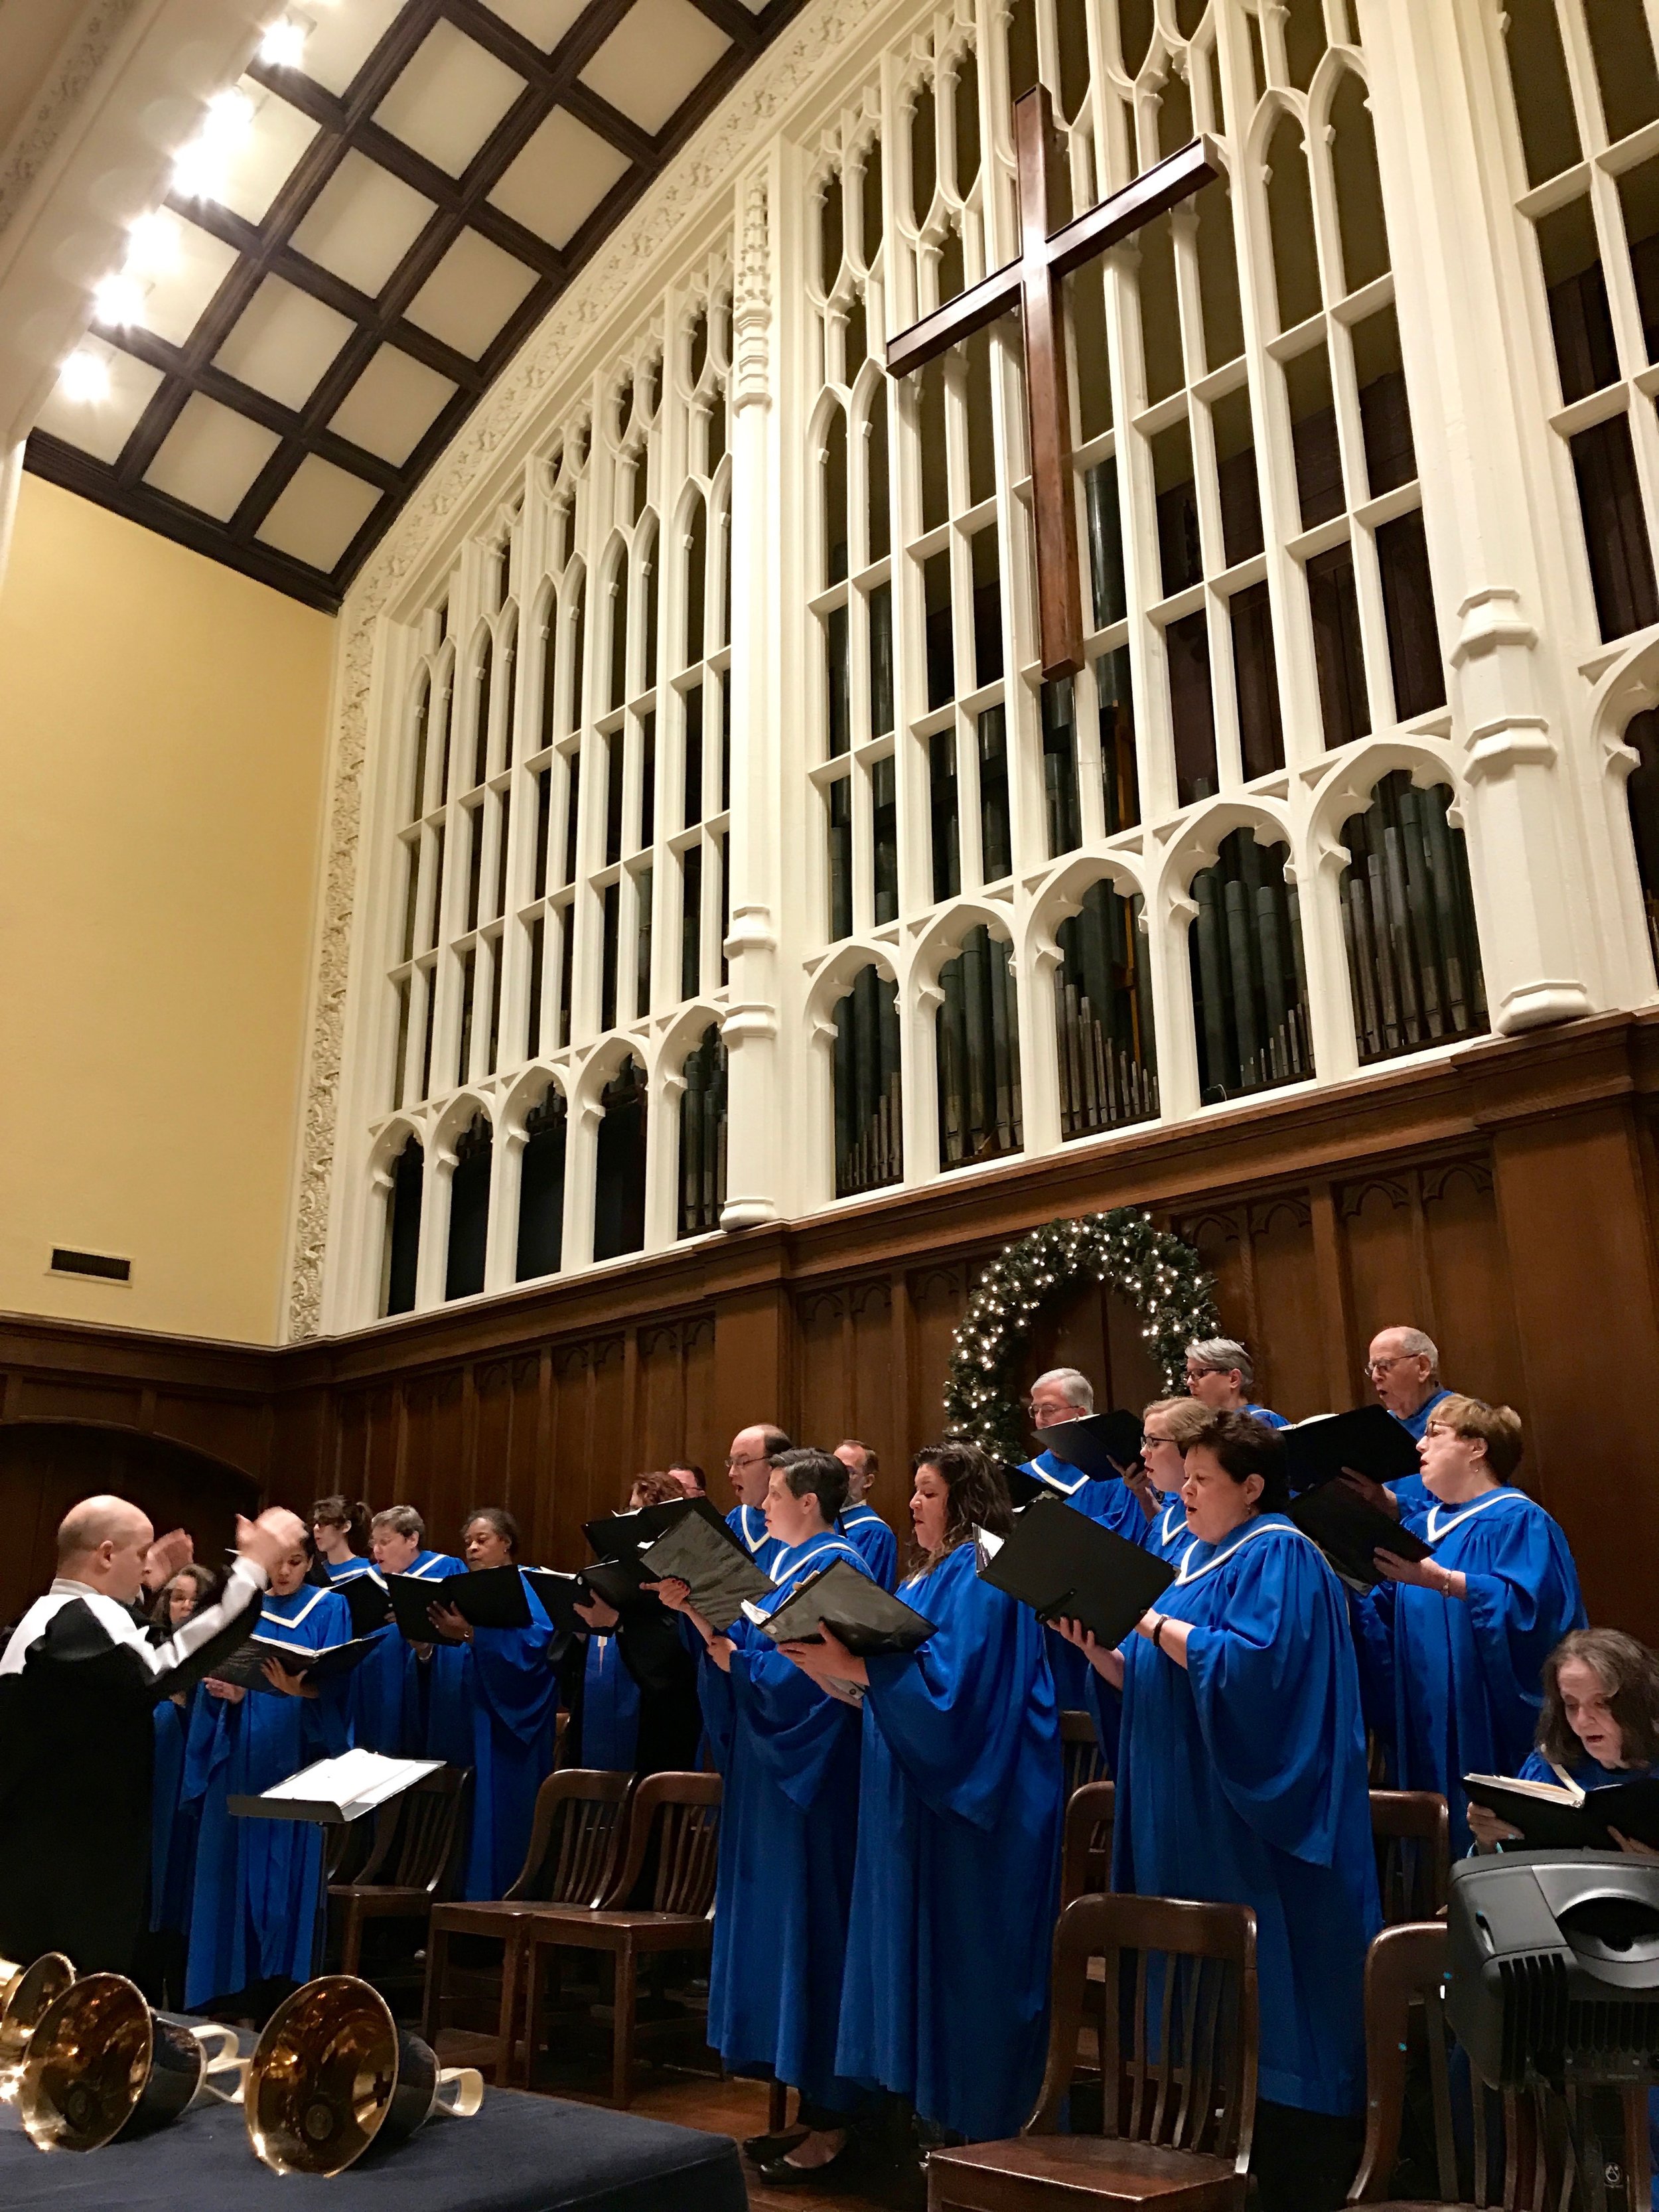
(78, 1681)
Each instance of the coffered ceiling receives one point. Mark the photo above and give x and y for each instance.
(356, 240)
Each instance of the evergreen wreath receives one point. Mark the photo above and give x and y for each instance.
(1158, 1273)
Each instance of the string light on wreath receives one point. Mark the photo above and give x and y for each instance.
(1157, 1273)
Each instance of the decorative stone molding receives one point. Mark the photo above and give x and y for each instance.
(76, 65)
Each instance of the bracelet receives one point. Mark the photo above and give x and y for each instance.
(1158, 1633)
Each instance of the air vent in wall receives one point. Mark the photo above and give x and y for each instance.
(101, 1264)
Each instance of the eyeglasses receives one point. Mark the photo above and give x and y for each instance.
(1382, 1366)
(747, 1459)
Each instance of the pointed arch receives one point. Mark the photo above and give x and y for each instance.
(1339, 124)
(648, 580)
(573, 614)
(1278, 134)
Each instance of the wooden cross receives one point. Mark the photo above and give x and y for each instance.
(1033, 283)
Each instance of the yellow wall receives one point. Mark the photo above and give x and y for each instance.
(162, 733)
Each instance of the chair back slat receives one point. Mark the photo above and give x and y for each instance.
(676, 1816)
(1177, 2038)
(1086, 1850)
(416, 1835)
(1410, 1832)
(576, 1838)
(1080, 1746)
(1516, 2149)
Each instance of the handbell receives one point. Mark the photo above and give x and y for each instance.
(101, 2064)
(25, 1994)
(334, 2072)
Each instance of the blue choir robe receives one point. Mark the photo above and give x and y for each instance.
(1115, 1505)
(961, 1790)
(508, 1688)
(174, 1822)
(254, 1908)
(438, 1704)
(788, 1756)
(748, 1524)
(1463, 1678)
(864, 1529)
(1267, 1413)
(1243, 1780)
(382, 1683)
(1411, 1493)
(1166, 1535)
(610, 1708)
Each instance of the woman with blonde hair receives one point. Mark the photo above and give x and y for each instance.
(1455, 1644)
(1167, 1426)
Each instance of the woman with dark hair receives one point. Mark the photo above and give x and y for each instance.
(1600, 1724)
(1241, 1778)
(1455, 1644)
(787, 1748)
(946, 1994)
(173, 1823)
(492, 1705)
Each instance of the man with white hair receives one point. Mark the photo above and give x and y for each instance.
(1404, 1365)
(78, 1679)
(1220, 1374)
(1065, 1393)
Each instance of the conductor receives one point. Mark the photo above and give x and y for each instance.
(78, 1679)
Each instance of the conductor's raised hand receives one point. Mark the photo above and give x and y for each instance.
(166, 1556)
(271, 1538)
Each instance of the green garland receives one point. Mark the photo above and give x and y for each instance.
(1157, 1273)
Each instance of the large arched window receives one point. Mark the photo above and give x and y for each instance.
(869, 1128)
(469, 1209)
(1103, 1016)
(1642, 794)
(702, 1136)
(1408, 922)
(1249, 982)
(403, 1229)
(619, 1169)
(978, 1033)
(541, 1188)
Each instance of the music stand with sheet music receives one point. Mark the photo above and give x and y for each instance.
(332, 1793)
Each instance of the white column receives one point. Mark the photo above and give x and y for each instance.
(751, 1025)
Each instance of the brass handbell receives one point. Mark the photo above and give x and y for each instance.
(25, 1994)
(335, 2073)
(100, 2064)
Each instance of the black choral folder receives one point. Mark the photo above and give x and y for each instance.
(1349, 1530)
(493, 1598)
(1368, 1439)
(705, 1555)
(865, 1617)
(623, 1535)
(1099, 1445)
(1552, 1817)
(366, 1595)
(1065, 1566)
(560, 1596)
(246, 1666)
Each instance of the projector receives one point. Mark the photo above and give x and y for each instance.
(1552, 1967)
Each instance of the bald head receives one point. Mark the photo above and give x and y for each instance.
(102, 1542)
(749, 1462)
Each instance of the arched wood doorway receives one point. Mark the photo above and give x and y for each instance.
(44, 1466)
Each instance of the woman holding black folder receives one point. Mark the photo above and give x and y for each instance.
(946, 1994)
(1599, 1727)
(787, 1748)
(1241, 1778)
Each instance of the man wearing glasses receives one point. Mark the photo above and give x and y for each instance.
(1404, 1366)
(749, 1464)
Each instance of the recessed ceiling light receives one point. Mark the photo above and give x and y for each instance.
(84, 378)
(153, 243)
(283, 43)
(119, 300)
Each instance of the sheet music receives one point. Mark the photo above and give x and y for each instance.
(356, 1782)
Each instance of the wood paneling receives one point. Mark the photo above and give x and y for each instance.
(1499, 1198)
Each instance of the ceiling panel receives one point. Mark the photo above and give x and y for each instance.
(359, 235)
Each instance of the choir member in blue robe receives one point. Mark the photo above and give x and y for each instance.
(631, 1681)
(788, 1749)
(858, 1521)
(1404, 1365)
(414, 1693)
(749, 1464)
(341, 1530)
(1242, 1778)
(1167, 1426)
(945, 1996)
(506, 1684)
(253, 1911)
(172, 1822)
(609, 1705)
(1220, 1374)
(1455, 1644)
(1065, 1393)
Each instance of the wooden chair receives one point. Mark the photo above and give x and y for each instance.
(575, 1845)
(1176, 2049)
(674, 1822)
(1079, 1741)
(1411, 1832)
(1459, 2142)
(412, 1862)
(1085, 1859)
